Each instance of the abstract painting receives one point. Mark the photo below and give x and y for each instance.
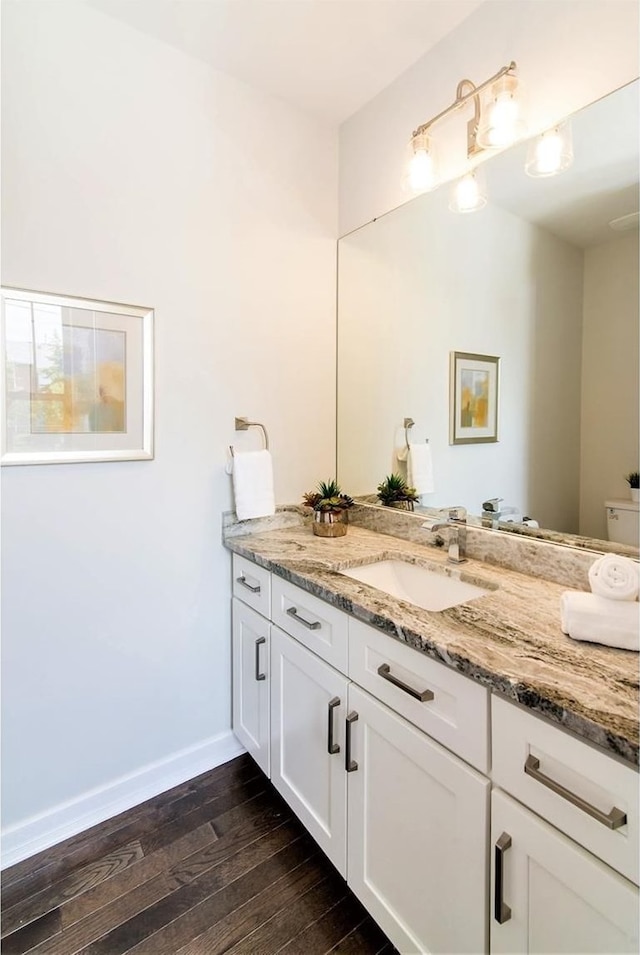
(77, 380)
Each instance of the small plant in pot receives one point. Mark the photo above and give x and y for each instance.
(633, 480)
(330, 508)
(395, 492)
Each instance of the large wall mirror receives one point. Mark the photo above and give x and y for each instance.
(544, 278)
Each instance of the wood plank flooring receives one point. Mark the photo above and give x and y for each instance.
(218, 864)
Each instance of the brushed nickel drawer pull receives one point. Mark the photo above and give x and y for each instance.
(332, 747)
(384, 670)
(310, 624)
(259, 642)
(350, 764)
(612, 820)
(501, 911)
(243, 580)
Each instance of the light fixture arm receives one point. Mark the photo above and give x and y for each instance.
(462, 98)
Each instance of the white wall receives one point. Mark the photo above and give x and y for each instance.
(610, 349)
(569, 53)
(134, 174)
(422, 282)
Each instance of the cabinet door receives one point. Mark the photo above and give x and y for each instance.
(418, 821)
(251, 682)
(553, 896)
(308, 707)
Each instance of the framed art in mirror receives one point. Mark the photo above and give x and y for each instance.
(474, 398)
(77, 380)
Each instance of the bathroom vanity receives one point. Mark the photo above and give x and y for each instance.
(471, 772)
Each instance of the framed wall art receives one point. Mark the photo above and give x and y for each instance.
(473, 399)
(77, 380)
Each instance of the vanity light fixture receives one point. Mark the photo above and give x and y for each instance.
(551, 152)
(495, 123)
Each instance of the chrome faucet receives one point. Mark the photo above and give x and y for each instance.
(456, 524)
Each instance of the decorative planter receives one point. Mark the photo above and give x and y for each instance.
(635, 493)
(402, 505)
(329, 525)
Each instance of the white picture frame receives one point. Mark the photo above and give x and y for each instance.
(473, 405)
(77, 380)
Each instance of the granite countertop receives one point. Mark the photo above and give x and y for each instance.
(509, 640)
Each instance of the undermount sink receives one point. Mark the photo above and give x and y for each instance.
(429, 589)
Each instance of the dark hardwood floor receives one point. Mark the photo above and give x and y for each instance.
(218, 864)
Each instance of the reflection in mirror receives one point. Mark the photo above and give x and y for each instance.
(543, 278)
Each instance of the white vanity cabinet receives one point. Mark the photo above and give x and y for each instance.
(417, 824)
(566, 887)
(551, 896)
(250, 610)
(308, 709)
(403, 771)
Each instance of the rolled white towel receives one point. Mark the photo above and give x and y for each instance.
(614, 577)
(614, 623)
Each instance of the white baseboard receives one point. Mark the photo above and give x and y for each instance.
(69, 818)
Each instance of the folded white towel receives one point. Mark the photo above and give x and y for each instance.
(615, 623)
(253, 484)
(417, 458)
(614, 577)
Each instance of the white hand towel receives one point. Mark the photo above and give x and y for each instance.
(615, 623)
(614, 577)
(419, 467)
(253, 484)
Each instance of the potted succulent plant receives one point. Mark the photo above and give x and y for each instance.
(633, 480)
(395, 492)
(330, 508)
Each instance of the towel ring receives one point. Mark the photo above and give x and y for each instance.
(243, 424)
(409, 423)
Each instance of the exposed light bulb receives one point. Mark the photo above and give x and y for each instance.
(503, 119)
(422, 173)
(501, 123)
(468, 195)
(550, 153)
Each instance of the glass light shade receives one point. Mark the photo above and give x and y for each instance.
(469, 193)
(422, 170)
(550, 153)
(501, 121)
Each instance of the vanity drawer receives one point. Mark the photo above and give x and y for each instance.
(319, 626)
(455, 710)
(252, 585)
(569, 783)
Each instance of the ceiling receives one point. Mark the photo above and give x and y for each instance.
(326, 57)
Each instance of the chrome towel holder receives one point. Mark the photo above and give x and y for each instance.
(243, 424)
(409, 423)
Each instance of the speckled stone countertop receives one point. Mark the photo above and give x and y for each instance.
(509, 640)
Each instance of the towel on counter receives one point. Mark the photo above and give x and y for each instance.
(614, 623)
(614, 577)
(252, 473)
(417, 458)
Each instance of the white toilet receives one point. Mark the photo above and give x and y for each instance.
(623, 522)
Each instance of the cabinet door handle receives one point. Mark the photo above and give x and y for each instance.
(350, 764)
(310, 624)
(243, 581)
(501, 911)
(612, 820)
(259, 642)
(332, 747)
(384, 670)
